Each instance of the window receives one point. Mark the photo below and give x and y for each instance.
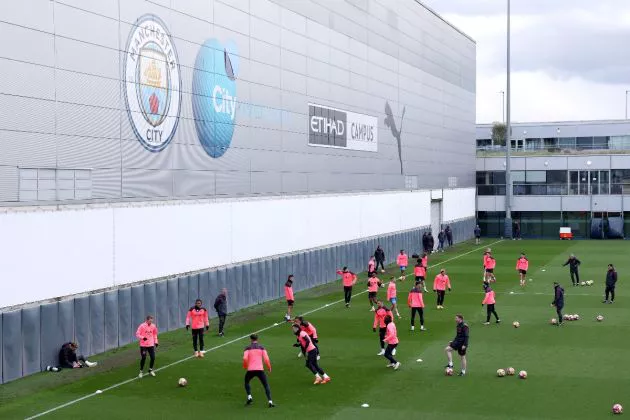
(566, 142)
(411, 182)
(536, 177)
(584, 142)
(556, 177)
(482, 178)
(600, 142)
(41, 184)
(518, 176)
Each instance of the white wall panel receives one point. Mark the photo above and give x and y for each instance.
(458, 204)
(57, 253)
(69, 251)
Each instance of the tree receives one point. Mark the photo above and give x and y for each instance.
(499, 131)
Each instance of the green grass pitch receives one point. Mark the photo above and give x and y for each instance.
(577, 371)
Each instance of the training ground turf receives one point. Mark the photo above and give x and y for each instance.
(576, 371)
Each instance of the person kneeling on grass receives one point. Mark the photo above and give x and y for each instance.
(68, 358)
(309, 349)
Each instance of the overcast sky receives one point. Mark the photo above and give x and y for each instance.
(570, 58)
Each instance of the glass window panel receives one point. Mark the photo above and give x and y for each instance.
(498, 178)
(482, 177)
(567, 142)
(584, 142)
(557, 177)
(536, 177)
(518, 176)
(600, 142)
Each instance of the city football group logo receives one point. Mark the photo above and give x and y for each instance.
(214, 101)
(152, 83)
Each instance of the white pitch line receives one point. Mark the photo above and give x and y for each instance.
(85, 397)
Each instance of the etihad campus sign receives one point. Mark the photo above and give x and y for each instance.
(152, 83)
(331, 127)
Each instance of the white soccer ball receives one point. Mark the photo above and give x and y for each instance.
(553, 321)
(599, 318)
(516, 324)
(522, 374)
(500, 373)
(576, 317)
(182, 382)
(448, 371)
(583, 283)
(617, 409)
(566, 317)
(510, 371)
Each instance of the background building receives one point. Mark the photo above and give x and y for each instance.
(563, 174)
(154, 152)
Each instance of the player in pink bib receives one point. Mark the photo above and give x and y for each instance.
(522, 264)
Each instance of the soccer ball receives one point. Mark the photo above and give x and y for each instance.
(553, 321)
(510, 371)
(583, 283)
(599, 318)
(516, 324)
(569, 318)
(182, 382)
(500, 373)
(566, 317)
(576, 317)
(448, 371)
(590, 282)
(617, 409)
(522, 374)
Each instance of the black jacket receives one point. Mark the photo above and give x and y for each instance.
(67, 355)
(449, 233)
(611, 278)
(558, 298)
(477, 231)
(220, 304)
(573, 264)
(441, 236)
(430, 241)
(379, 254)
(461, 336)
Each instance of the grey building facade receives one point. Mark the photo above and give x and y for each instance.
(132, 99)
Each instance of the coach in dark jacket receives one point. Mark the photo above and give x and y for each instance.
(449, 235)
(558, 300)
(425, 242)
(220, 305)
(379, 256)
(611, 281)
(573, 264)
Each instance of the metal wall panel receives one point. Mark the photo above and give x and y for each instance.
(66, 320)
(50, 335)
(161, 305)
(193, 289)
(82, 323)
(276, 264)
(111, 319)
(97, 324)
(11, 345)
(184, 302)
(173, 304)
(138, 313)
(248, 295)
(150, 302)
(282, 268)
(213, 289)
(255, 281)
(31, 351)
(204, 291)
(234, 277)
(1, 352)
(126, 328)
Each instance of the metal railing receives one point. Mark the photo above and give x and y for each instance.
(555, 189)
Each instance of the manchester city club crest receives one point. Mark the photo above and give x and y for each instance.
(152, 83)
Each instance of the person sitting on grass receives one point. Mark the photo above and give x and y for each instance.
(68, 358)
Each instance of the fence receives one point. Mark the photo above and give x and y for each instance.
(30, 337)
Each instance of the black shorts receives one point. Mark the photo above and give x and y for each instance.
(419, 278)
(460, 350)
(145, 350)
(477, 236)
(372, 295)
(290, 302)
(522, 271)
(490, 270)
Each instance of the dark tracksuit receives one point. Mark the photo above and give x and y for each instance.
(449, 236)
(441, 238)
(558, 302)
(477, 232)
(573, 264)
(67, 356)
(461, 339)
(425, 243)
(220, 305)
(611, 280)
(379, 256)
(430, 242)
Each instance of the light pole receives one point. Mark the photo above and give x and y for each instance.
(627, 91)
(502, 106)
(508, 141)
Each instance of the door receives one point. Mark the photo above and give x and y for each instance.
(436, 219)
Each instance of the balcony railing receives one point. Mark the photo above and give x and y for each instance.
(542, 149)
(557, 189)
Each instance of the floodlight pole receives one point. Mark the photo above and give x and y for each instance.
(508, 140)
